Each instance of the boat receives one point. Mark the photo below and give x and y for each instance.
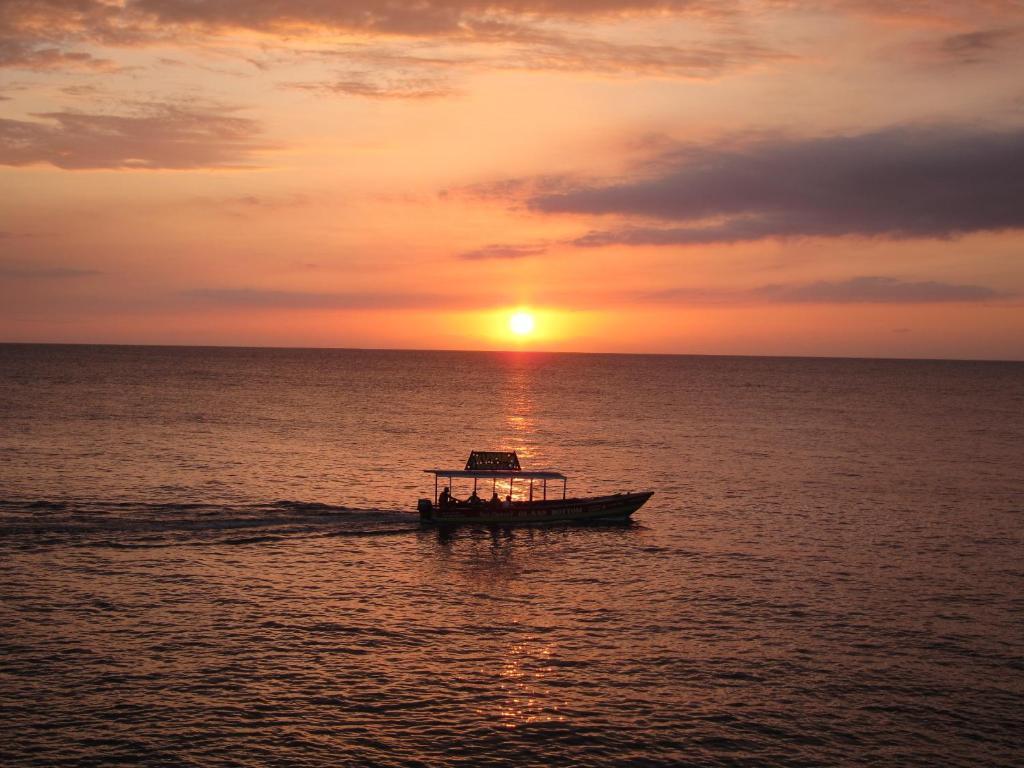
(503, 471)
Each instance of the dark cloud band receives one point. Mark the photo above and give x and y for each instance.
(854, 290)
(901, 183)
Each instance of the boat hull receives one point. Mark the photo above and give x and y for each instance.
(616, 507)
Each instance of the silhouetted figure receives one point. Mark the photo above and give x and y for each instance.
(508, 502)
(474, 499)
(445, 499)
(495, 502)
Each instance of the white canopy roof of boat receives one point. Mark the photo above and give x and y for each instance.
(497, 473)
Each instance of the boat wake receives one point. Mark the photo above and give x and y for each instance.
(127, 524)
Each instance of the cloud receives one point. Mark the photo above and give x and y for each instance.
(513, 190)
(518, 34)
(556, 52)
(249, 205)
(376, 86)
(314, 300)
(136, 21)
(133, 22)
(15, 54)
(82, 90)
(423, 18)
(100, 21)
(876, 290)
(39, 272)
(735, 231)
(854, 290)
(975, 47)
(494, 17)
(390, 71)
(924, 182)
(499, 251)
(164, 136)
(929, 11)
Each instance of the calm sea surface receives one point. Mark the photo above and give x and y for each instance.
(207, 558)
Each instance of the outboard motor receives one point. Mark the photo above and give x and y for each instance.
(426, 508)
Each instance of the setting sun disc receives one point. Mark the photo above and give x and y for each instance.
(521, 323)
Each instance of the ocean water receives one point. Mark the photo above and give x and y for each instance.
(208, 557)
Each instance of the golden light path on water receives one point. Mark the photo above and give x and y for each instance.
(525, 686)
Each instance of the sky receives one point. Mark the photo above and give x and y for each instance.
(762, 177)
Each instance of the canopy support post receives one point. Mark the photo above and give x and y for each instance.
(564, 481)
(531, 489)
(435, 490)
(544, 486)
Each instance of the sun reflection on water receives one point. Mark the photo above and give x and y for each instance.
(518, 409)
(523, 677)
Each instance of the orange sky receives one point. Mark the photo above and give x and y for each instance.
(763, 177)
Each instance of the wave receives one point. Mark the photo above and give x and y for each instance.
(136, 524)
(100, 505)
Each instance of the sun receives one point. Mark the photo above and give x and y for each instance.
(521, 323)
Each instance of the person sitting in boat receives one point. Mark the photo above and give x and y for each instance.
(474, 499)
(445, 499)
(495, 502)
(508, 502)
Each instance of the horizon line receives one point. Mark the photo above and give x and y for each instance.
(503, 351)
